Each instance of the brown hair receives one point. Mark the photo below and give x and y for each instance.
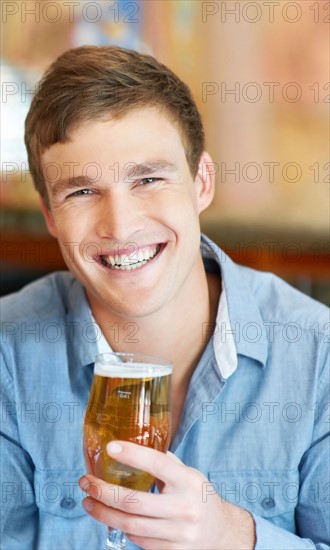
(91, 82)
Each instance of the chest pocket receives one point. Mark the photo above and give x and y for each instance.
(57, 492)
(272, 494)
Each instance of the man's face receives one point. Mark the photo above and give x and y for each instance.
(124, 208)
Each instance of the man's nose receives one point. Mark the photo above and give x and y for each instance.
(120, 216)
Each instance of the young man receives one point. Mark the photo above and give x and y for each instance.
(116, 148)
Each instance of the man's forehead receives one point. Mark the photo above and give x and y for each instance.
(138, 144)
(149, 127)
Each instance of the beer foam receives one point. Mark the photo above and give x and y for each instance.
(125, 370)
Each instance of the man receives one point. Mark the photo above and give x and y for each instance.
(116, 148)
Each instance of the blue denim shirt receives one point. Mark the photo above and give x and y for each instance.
(255, 419)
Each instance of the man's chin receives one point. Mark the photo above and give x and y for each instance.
(127, 308)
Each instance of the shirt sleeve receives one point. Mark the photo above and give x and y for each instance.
(19, 512)
(271, 537)
(313, 511)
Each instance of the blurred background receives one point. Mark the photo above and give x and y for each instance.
(259, 72)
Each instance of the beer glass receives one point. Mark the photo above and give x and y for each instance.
(130, 401)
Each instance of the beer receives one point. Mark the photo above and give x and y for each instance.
(131, 403)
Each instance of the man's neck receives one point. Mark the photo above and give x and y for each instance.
(175, 332)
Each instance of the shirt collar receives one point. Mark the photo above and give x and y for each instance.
(239, 326)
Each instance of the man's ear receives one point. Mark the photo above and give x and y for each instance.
(49, 219)
(205, 182)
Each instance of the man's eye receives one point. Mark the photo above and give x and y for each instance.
(145, 181)
(81, 192)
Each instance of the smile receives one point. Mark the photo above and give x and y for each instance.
(135, 260)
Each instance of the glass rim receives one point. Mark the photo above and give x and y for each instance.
(142, 360)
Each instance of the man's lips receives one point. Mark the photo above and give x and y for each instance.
(130, 258)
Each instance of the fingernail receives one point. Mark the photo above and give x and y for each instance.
(114, 448)
(87, 504)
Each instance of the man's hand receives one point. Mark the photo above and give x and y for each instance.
(185, 514)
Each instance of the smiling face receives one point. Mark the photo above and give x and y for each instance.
(124, 208)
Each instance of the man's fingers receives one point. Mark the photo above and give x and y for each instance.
(126, 500)
(159, 465)
(113, 496)
(128, 523)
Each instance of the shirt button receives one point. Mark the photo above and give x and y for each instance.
(268, 503)
(68, 503)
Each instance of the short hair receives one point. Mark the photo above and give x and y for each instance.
(92, 82)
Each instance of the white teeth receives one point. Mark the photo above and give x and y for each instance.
(128, 259)
(131, 261)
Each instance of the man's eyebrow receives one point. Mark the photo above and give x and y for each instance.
(69, 183)
(135, 170)
(132, 169)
